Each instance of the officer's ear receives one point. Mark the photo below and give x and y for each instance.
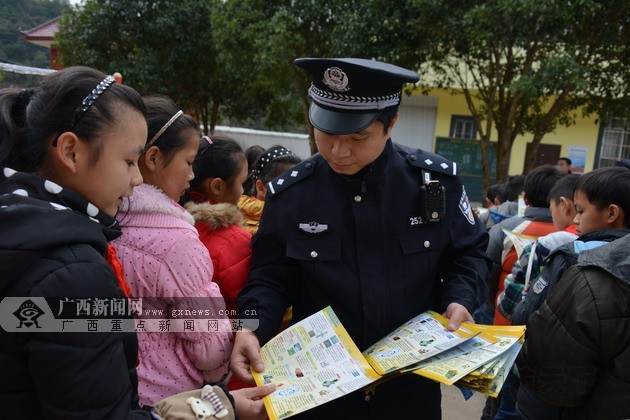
(261, 190)
(391, 125)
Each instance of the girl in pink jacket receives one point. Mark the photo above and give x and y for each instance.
(164, 263)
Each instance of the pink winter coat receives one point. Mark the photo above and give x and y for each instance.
(162, 257)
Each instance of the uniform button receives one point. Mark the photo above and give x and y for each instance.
(427, 244)
(313, 254)
(308, 165)
(368, 398)
(357, 198)
(413, 157)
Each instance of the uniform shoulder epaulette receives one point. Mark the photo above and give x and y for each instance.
(291, 177)
(431, 162)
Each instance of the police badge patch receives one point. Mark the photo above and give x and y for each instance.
(336, 79)
(466, 209)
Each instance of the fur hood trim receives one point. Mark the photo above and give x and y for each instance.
(217, 216)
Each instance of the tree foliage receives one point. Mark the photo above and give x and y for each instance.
(264, 38)
(161, 47)
(524, 66)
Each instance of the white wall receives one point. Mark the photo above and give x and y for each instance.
(246, 137)
(416, 122)
(415, 128)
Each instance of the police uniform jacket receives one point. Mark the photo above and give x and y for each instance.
(359, 244)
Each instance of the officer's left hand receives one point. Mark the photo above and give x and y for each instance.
(457, 314)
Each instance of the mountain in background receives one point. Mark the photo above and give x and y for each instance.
(25, 14)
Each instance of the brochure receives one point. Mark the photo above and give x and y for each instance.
(315, 360)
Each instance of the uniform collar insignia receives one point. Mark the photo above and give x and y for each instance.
(313, 227)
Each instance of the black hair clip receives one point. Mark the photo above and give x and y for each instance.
(91, 98)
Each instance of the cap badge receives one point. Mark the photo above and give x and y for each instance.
(336, 79)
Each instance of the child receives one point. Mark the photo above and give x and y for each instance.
(602, 204)
(77, 138)
(530, 262)
(495, 196)
(535, 222)
(252, 153)
(270, 165)
(164, 261)
(220, 169)
(509, 208)
(588, 313)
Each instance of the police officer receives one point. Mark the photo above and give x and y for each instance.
(378, 231)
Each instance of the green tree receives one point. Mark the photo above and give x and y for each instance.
(523, 66)
(161, 47)
(259, 40)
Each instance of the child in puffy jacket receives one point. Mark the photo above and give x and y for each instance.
(166, 264)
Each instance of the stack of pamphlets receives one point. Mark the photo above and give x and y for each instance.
(315, 361)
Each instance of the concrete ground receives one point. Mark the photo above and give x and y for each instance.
(455, 407)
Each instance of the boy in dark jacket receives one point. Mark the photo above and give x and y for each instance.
(588, 313)
(602, 206)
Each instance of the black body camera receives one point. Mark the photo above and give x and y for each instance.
(433, 201)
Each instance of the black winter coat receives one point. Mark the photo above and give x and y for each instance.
(577, 353)
(50, 247)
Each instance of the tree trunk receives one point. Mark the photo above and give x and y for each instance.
(215, 116)
(528, 165)
(503, 156)
(201, 115)
(485, 164)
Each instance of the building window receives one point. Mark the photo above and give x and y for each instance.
(463, 127)
(615, 142)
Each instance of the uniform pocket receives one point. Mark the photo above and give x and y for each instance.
(421, 240)
(314, 249)
(421, 249)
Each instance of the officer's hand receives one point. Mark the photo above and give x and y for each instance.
(457, 314)
(248, 402)
(246, 352)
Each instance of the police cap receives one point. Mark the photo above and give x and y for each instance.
(348, 94)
